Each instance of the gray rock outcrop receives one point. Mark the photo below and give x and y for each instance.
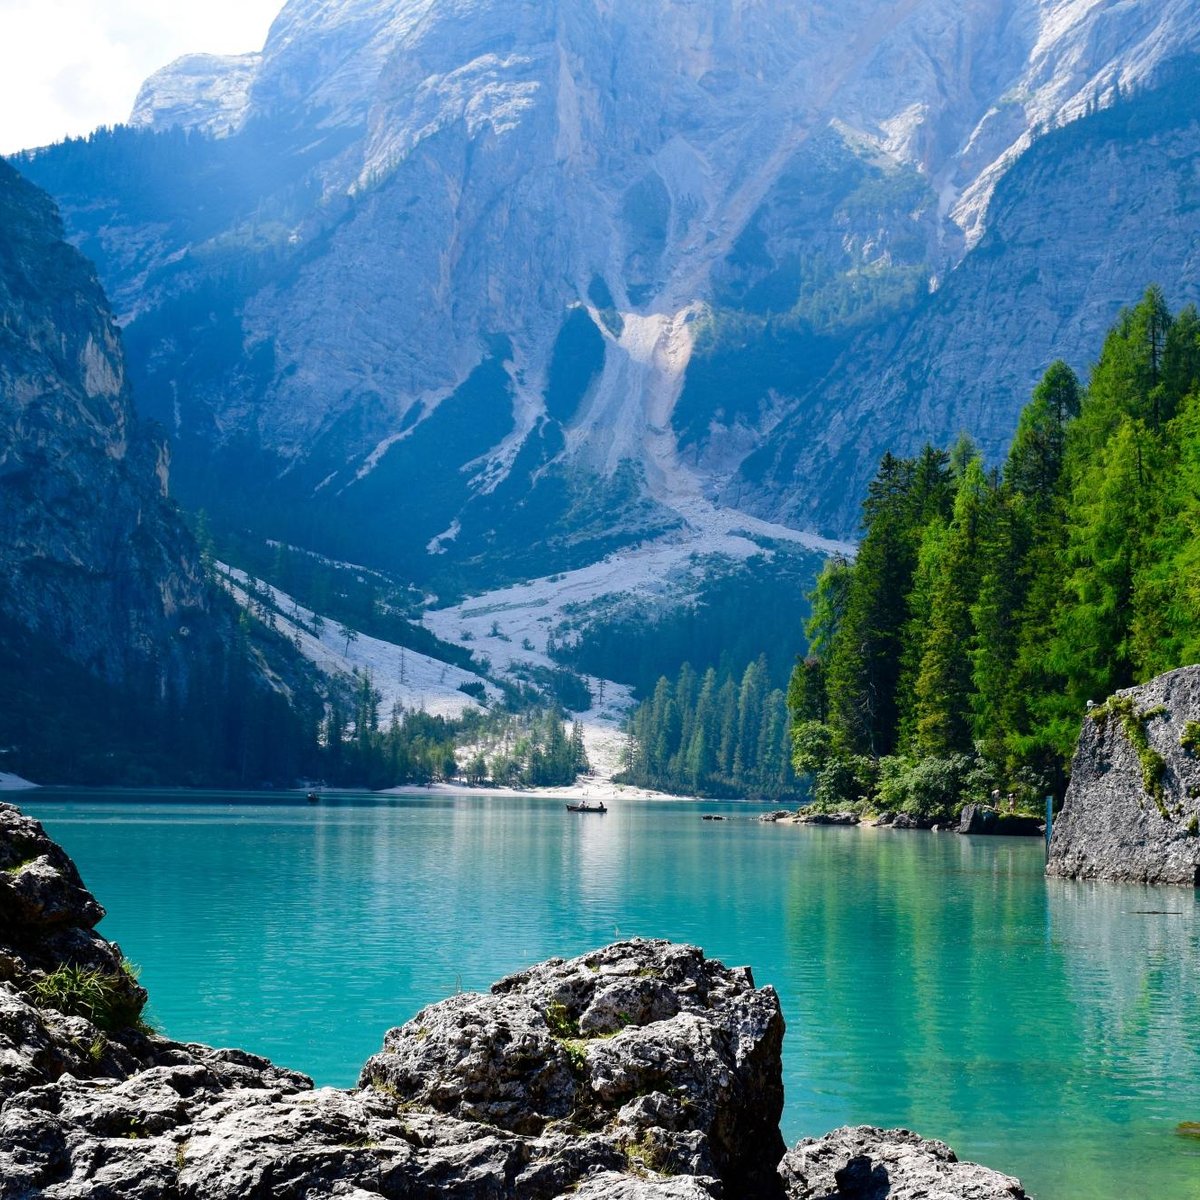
(908, 821)
(979, 818)
(642, 1071)
(1132, 810)
(865, 1163)
(647, 1043)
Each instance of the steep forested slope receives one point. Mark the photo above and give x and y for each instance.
(988, 611)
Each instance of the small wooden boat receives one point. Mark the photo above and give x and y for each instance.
(585, 807)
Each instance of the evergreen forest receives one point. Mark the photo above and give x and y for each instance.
(513, 745)
(989, 607)
(713, 735)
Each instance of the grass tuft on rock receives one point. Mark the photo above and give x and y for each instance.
(576, 1052)
(647, 1155)
(558, 1018)
(1153, 765)
(104, 998)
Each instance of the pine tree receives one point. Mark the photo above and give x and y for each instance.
(1109, 514)
(1003, 585)
(915, 633)
(943, 687)
(726, 728)
(579, 758)
(864, 658)
(752, 698)
(1035, 461)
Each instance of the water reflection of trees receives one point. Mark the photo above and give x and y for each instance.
(942, 984)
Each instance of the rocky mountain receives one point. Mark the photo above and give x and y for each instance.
(1089, 215)
(112, 634)
(477, 291)
(641, 1071)
(94, 554)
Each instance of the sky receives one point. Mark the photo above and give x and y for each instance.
(67, 66)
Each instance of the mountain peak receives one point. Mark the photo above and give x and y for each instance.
(207, 92)
(543, 251)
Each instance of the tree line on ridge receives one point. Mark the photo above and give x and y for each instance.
(956, 655)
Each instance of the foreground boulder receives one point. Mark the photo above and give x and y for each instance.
(866, 1163)
(1132, 811)
(642, 1071)
(615, 1072)
(647, 1045)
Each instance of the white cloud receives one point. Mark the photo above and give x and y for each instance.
(67, 66)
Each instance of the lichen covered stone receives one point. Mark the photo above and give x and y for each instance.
(1132, 809)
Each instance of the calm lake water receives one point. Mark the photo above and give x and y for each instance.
(1045, 1028)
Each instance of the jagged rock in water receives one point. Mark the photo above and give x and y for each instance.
(978, 818)
(69, 1005)
(908, 821)
(47, 919)
(1132, 809)
(865, 1163)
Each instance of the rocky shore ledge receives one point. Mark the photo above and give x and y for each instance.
(974, 819)
(642, 1071)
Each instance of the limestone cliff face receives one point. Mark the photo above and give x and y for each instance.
(1090, 216)
(593, 262)
(93, 555)
(1132, 809)
(121, 661)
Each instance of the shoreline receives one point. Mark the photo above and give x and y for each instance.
(595, 789)
(1020, 825)
(600, 790)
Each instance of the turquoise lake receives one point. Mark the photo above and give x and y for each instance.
(1045, 1028)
